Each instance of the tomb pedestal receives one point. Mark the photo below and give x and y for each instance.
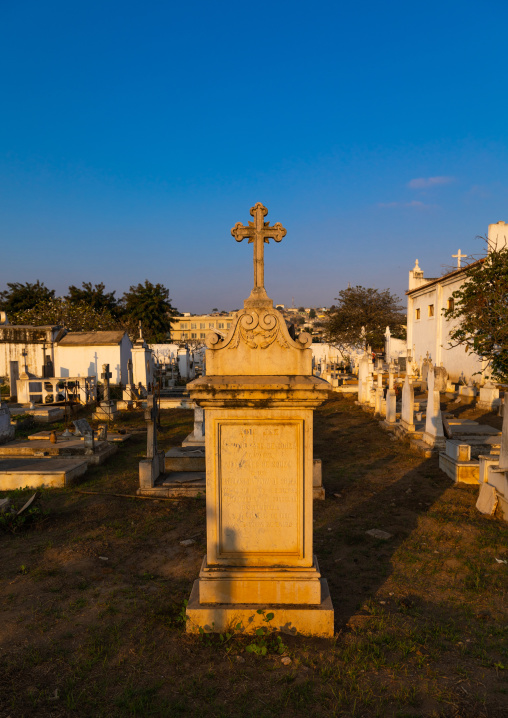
(106, 411)
(259, 395)
(456, 462)
(259, 475)
(197, 436)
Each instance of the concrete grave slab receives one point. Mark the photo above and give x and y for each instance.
(19, 473)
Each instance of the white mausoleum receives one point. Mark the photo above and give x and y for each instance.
(84, 353)
(428, 332)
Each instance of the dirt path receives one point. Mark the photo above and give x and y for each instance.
(91, 597)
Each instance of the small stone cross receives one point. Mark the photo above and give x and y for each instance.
(106, 375)
(24, 354)
(258, 232)
(151, 415)
(458, 257)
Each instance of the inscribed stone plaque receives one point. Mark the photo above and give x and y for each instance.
(260, 476)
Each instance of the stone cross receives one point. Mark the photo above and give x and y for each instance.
(24, 354)
(458, 257)
(151, 414)
(140, 331)
(106, 375)
(258, 232)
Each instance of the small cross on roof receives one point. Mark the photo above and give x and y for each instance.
(458, 257)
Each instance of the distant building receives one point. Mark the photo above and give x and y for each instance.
(194, 328)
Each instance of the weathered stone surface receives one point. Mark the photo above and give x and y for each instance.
(306, 620)
(464, 471)
(81, 427)
(487, 500)
(407, 413)
(19, 473)
(377, 533)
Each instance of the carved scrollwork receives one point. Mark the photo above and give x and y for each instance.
(305, 339)
(258, 331)
(212, 339)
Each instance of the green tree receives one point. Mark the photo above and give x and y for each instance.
(150, 304)
(20, 297)
(480, 312)
(94, 296)
(312, 314)
(61, 312)
(361, 317)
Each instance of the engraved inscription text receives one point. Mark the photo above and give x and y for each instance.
(260, 469)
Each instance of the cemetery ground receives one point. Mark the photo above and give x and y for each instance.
(92, 595)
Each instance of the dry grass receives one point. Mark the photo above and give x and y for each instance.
(420, 619)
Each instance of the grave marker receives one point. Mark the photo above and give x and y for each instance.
(259, 395)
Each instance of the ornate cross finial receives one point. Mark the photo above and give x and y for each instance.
(140, 330)
(458, 257)
(258, 232)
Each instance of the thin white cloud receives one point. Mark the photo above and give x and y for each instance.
(426, 182)
(414, 204)
(479, 191)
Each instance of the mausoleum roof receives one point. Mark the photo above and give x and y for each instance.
(92, 338)
(445, 277)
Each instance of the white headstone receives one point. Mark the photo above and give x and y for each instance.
(434, 431)
(408, 400)
(489, 396)
(391, 396)
(379, 392)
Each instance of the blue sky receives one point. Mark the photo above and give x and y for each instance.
(134, 135)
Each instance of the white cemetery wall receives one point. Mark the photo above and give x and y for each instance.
(36, 341)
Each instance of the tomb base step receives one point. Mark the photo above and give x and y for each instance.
(43, 416)
(177, 483)
(260, 585)
(71, 448)
(102, 454)
(190, 440)
(20, 473)
(466, 472)
(420, 447)
(106, 414)
(176, 403)
(303, 620)
(186, 458)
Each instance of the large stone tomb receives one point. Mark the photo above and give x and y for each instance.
(259, 395)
